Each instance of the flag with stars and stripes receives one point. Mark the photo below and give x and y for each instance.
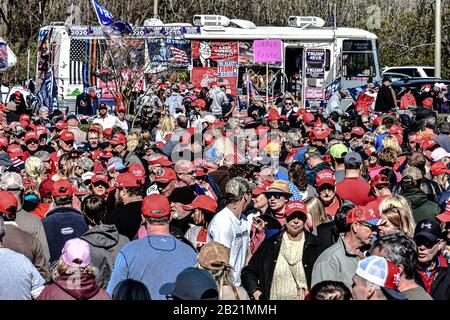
(77, 52)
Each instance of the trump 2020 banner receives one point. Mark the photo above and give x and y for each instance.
(215, 61)
(167, 53)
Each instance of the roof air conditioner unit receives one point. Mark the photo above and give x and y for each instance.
(304, 22)
(153, 23)
(211, 20)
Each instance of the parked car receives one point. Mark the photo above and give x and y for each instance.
(412, 71)
(396, 76)
(415, 85)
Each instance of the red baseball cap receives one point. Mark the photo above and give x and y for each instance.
(137, 169)
(199, 103)
(117, 139)
(100, 177)
(155, 206)
(61, 125)
(445, 216)
(127, 180)
(439, 168)
(14, 151)
(429, 144)
(261, 188)
(25, 117)
(162, 161)
(67, 136)
(94, 128)
(165, 175)
(202, 202)
(45, 188)
(31, 135)
(105, 154)
(62, 188)
(377, 121)
(295, 206)
(358, 131)
(40, 130)
(308, 117)
(107, 132)
(363, 214)
(24, 123)
(4, 142)
(121, 109)
(9, 203)
(395, 129)
(325, 176)
(379, 179)
(28, 182)
(273, 114)
(319, 134)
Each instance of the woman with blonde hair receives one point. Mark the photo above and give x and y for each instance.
(397, 215)
(392, 143)
(215, 258)
(34, 168)
(132, 141)
(316, 214)
(165, 126)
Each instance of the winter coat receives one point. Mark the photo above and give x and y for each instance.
(62, 224)
(105, 243)
(440, 288)
(422, 207)
(64, 289)
(258, 274)
(431, 188)
(385, 101)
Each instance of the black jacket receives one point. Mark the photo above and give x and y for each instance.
(440, 289)
(328, 234)
(385, 101)
(258, 274)
(431, 188)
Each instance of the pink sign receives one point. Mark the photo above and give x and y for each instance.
(267, 50)
(314, 93)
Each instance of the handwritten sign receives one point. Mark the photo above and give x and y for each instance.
(267, 50)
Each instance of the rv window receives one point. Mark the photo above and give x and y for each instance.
(327, 60)
(357, 45)
(358, 65)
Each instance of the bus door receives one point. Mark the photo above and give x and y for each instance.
(293, 69)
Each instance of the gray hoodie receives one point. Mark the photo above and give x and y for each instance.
(105, 243)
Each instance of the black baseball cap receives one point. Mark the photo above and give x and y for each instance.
(192, 284)
(428, 228)
(184, 195)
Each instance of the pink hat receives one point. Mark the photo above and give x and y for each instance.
(76, 249)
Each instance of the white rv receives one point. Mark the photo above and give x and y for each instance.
(312, 56)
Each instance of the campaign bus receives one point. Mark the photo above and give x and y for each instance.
(304, 57)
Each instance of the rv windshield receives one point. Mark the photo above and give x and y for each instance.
(357, 64)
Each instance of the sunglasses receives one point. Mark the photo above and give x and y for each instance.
(369, 142)
(276, 195)
(32, 141)
(370, 226)
(425, 242)
(69, 143)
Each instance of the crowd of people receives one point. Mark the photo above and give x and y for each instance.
(210, 201)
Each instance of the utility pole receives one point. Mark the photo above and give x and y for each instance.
(155, 9)
(437, 40)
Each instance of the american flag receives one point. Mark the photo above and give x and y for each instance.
(178, 55)
(76, 61)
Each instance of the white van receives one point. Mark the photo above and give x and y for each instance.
(412, 71)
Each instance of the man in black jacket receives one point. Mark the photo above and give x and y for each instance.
(264, 277)
(385, 100)
(433, 273)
